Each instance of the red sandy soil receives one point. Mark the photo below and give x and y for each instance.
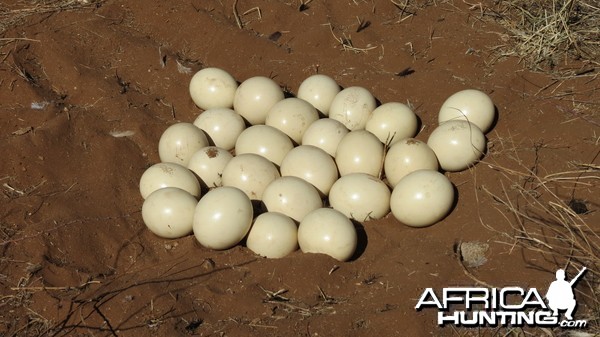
(77, 259)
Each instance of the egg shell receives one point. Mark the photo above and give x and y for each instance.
(273, 235)
(406, 156)
(179, 142)
(392, 122)
(470, 105)
(222, 218)
(208, 164)
(213, 88)
(327, 231)
(265, 141)
(163, 175)
(292, 116)
(169, 212)
(353, 107)
(457, 144)
(422, 198)
(250, 173)
(291, 196)
(359, 152)
(311, 164)
(360, 196)
(221, 125)
(319, 90)
(326, 134)
(255, 97)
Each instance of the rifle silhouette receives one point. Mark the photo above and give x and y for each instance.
(574, 279)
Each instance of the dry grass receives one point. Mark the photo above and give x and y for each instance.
(546, 224)
(14, 15)
(547, 34)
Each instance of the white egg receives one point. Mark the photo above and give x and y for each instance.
(319, 90)
(327, 231)
(457, 144)
(471, 105)
(360, 196)
(179, 142)
(353, 107)
(250, 173)
(213, 88)
(359, 151)
(221, 125)
(273, 235)
(292, 116)
(406, 156)
(422, 198)
(222, 218)
(163, 175)
(291, 196)
(391, 122)
(255, 96)
(311, 164)
(325, 134)
(265, 141)
(169, 212)
(209, 164)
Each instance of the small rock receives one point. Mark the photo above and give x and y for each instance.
(473, 253)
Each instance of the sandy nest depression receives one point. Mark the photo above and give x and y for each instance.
(87, 87)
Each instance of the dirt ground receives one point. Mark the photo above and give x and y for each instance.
(76, 258)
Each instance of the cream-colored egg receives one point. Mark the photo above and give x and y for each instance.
(265, 141)
(327, 231)
(209, 164)
(250, 173)
(471, 105)
(255, 97)
(179, 142)
(353, 107)
(406, 156)
(291, 196)
(169, 212)
(213, 88)
(273, 235)
(292, 116)
(391, 122)
(457, 144)
(326, 134)
(319, 90)
(422, 198)
(311, 164)
(221, 125)
(222, 218)
(360, 196)
(359, 152)
(163, 175)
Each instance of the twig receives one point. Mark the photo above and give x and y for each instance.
(236, 15)
(43, 288)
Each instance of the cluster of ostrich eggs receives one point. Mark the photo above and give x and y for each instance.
(285, 173)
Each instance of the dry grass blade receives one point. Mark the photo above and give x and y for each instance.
(547, 33)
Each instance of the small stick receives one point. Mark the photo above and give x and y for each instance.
(54, 288)
(254, 9)
(19, 192)
(12, 39)
(236, 15)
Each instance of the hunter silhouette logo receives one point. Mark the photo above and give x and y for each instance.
(514, 306)
(560, 294)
